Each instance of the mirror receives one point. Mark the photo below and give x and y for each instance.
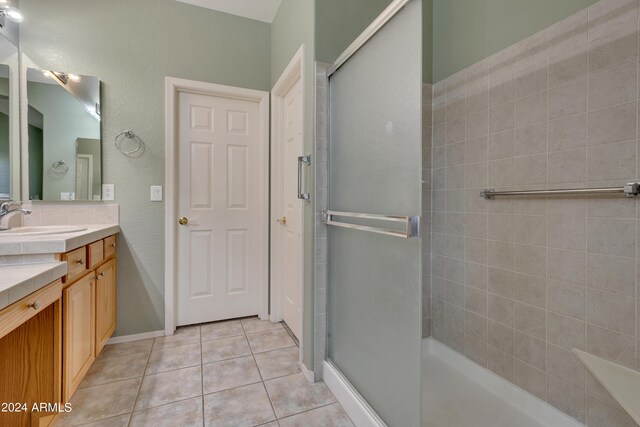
(64, 136)
(9, 123)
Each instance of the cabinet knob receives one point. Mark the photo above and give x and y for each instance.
(113, 245)
(81, 261)
(35, 305)
(282, 221)
(100, 276)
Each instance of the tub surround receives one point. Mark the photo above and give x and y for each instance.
(54, 243)
(517, 284)
(20, 280)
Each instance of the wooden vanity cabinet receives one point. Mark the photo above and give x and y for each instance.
(78, 332)
(88, 310)
(105, 303)
(31, 356)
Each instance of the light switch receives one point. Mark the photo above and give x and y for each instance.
(156, 193)
(108, 192)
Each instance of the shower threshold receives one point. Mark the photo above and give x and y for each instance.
(459, 393)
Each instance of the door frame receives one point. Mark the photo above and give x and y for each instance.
(173, 87)
(89, 157)
(290, 76)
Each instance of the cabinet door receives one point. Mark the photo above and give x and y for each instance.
(78, 333)
(105, 303)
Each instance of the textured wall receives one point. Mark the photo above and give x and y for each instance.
(466, 31)
(132, 46)
(516, 284)
(292, 27)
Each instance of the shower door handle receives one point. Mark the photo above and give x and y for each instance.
(303, 161)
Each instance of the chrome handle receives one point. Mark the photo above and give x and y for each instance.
(35, 305)
(303, 160)
(183, 221)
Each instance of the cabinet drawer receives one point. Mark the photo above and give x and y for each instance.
(110, 246)
(19, 312)
(76, 264)
(96, 254)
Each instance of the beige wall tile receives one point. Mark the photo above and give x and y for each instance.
(502, 117)
(456, 154)
(501, 145)
(610, 345)
(609, 15)
(566, 266)
(613, 311)
(611, 236)
(567, 232)
(601, 414)
(531, 170)
(477, 125)
(614, 86)
(476, 150)
(476, 251)
(531, 109)
(501, 227)
(477, 225)
(531, 260)
(566, 366)
(502, 173)
(531, 350)
(614, 48)
(531, 290)
(500, 254)
(475, 325)
(475, 300)
(614, 274)
(532, 79)
(568, 99)
(567, 299)
(566, 332)
(531, 229)
(501, 282)
(475, 275)
(455, 130)
(567, 398)
(568, 67)
(477, 175)
(531, 320)
(476, 350)
(531, 139)
(612, 124)
(568, 132)
(567, 166)
(454, 270)
(501, 363)
(501, 309)
(502, 88)
(532, 380)
(501, 337)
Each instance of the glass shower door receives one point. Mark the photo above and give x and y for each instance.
(374, 286)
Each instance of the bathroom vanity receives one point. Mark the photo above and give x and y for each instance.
(57, 311)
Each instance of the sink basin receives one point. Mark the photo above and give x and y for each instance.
(40, 231)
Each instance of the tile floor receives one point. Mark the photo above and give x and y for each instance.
(235, 373)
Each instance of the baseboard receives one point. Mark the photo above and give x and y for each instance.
(308, 374)
(356, 407)
(135, 337)
(507, 391)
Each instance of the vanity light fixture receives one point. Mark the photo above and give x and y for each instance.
(8, 11)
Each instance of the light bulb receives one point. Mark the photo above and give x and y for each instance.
(14, 14)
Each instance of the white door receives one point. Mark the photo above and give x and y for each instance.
(291, 229)
(219, 185)
(83, 190)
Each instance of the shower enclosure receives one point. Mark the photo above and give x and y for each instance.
(508, 131)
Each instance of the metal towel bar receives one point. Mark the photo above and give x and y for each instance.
(632, 189)
(412, 223)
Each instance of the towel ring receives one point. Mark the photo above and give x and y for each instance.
(55, 168)
(128, 134)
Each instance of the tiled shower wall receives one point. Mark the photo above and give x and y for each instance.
(516, 284)
(425, 226)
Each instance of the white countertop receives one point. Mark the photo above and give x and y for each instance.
(19, 280)
(54, 243)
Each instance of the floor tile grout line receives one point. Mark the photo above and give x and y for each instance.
(204, 418)
(133, 408)
(264, 386)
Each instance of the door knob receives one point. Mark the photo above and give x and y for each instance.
(282, 220)
(183, 221)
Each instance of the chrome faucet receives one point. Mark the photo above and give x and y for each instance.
(6, 213)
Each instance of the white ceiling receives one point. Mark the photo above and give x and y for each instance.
(261, 10)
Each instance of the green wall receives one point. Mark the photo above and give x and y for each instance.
(5, 187)
(131, 46)
(467, 31)
(35, 162)
(339, 22)
(292, 27)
